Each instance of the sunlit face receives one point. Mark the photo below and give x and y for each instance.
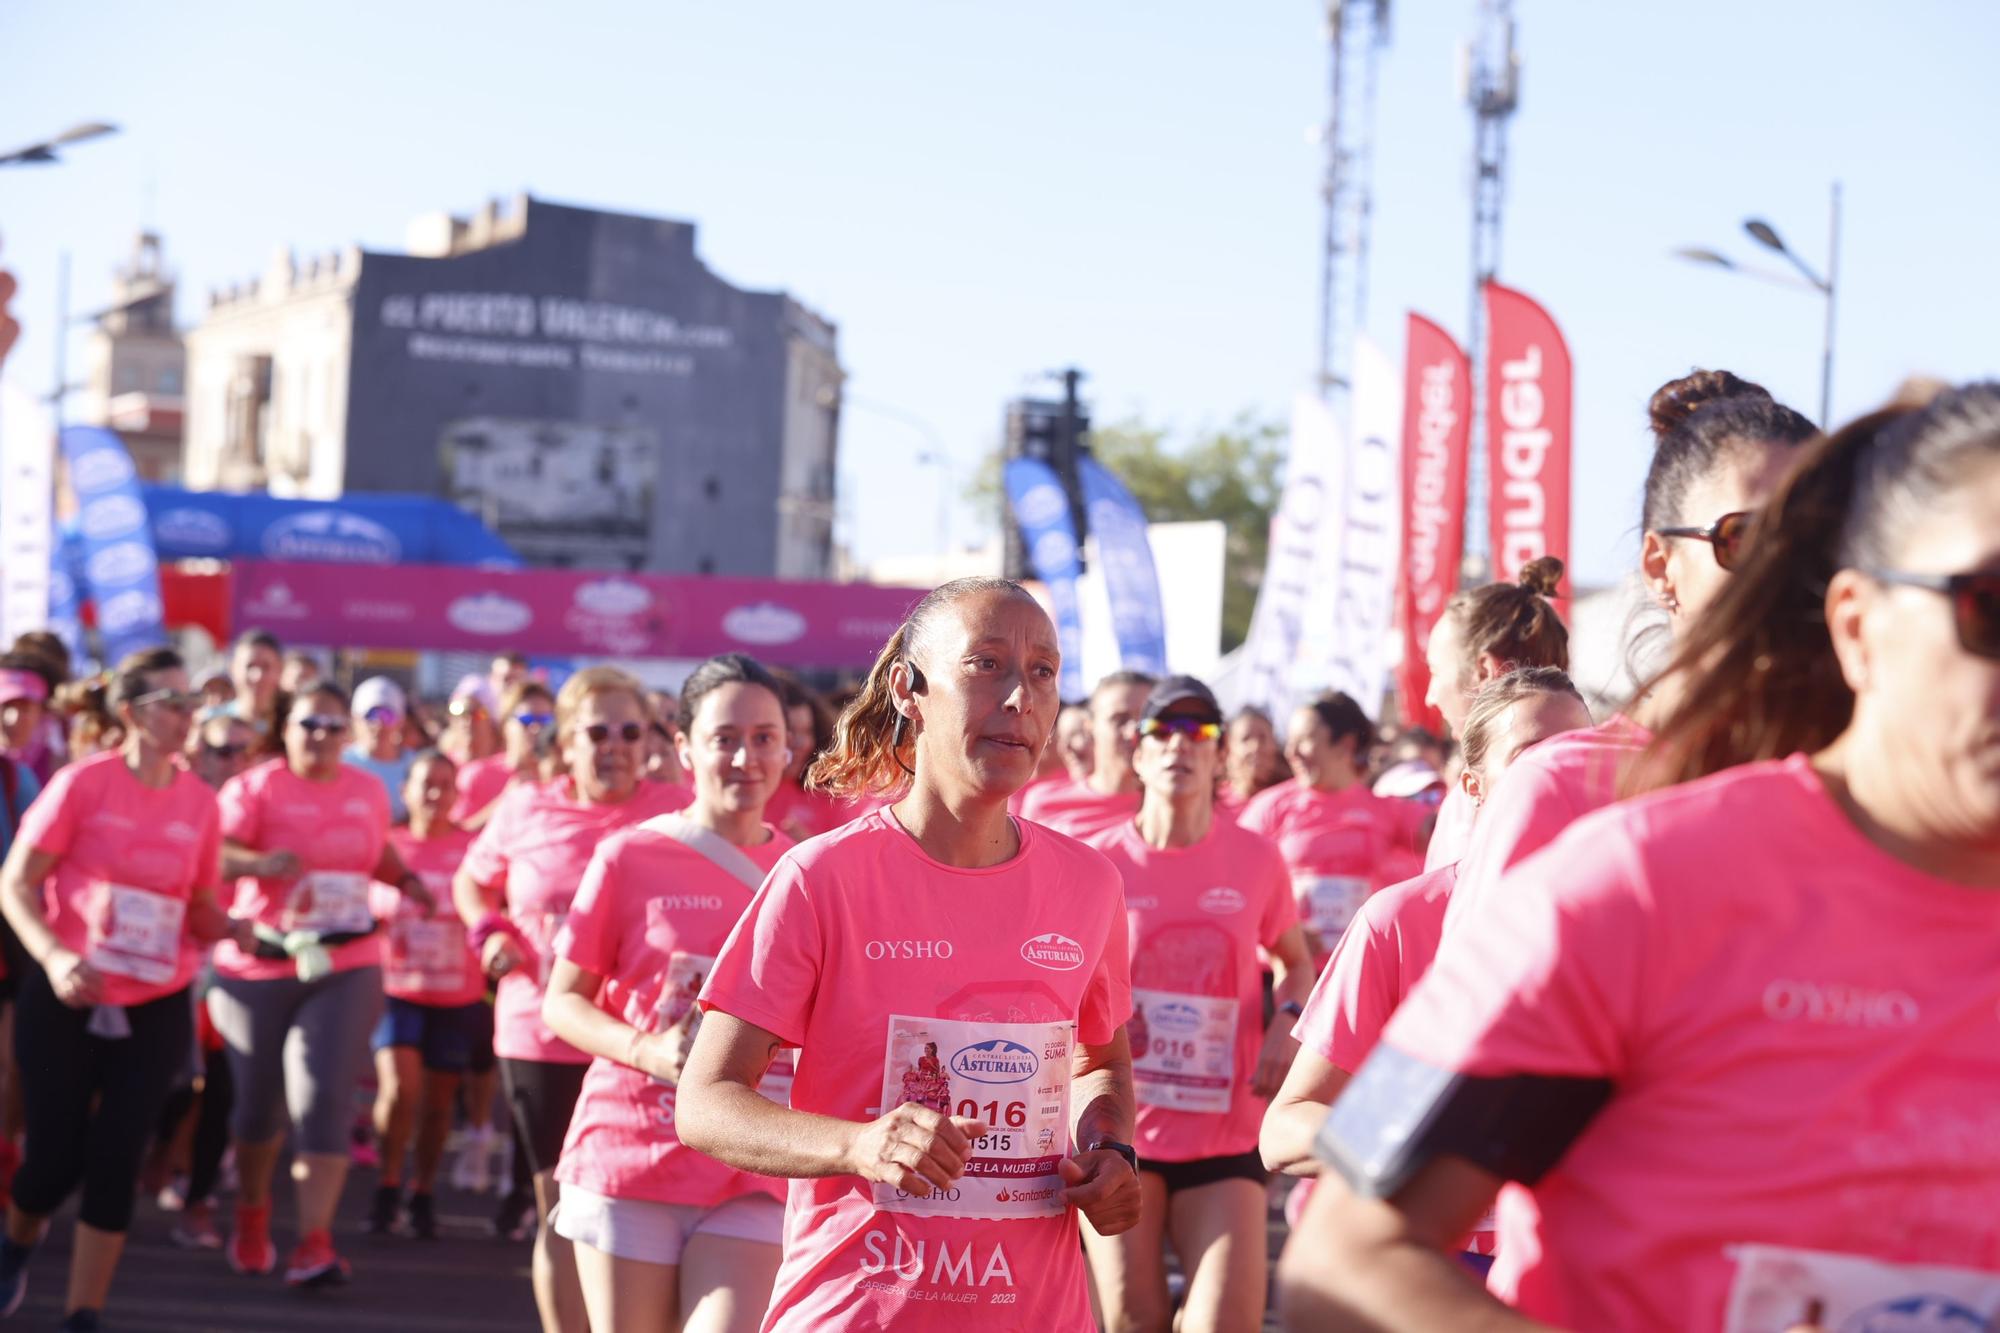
(379, 732)
(255, 669)
(1114, 726)
(1174, 767)
(300, 674)
(1927, 712)
(1450, 692)
(315, 731)
(734, 752)
(431, 788)
(165, 723)
(1317, 759)
(1526, 722)
(1075, 742)
(605, 745)
(222, 750)
(18, 720)
(990, 700)
(802, 735)
(1253, 757)
(1742, 482)
(529, 725)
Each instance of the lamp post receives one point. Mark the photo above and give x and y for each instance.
(1767, 236)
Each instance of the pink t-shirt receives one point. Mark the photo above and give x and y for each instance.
(1076, 808)
(1799, 1030)
(903, 979)
(1547, 788)
(336, 829)
(1391, 944)
(428, 959)
(1452, 831)
(535, 849)
(1341, 847)
(650, 918)
(131, 859)
(1197, 916)
(480, 784)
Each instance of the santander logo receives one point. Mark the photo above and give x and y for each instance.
(1058, 953)
(1524, 447)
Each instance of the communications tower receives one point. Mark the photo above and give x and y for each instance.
(1356, 32)
(1492, 80)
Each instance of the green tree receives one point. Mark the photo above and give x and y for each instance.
(1233, 474)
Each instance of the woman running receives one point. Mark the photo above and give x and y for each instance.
(1109, 794)
(1722, 446)
(1483, 634)
(514, 891)
(667, 1239)
(1202, 896)
(111, 887)
(433, 1005)
(528, 732)
(938, 922)
(305, 835)
(1736, 1036)
(1252, 760)
(1340, 839)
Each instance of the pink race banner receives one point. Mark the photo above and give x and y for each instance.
(1437, 421)
(568, 612)
(1527, 434)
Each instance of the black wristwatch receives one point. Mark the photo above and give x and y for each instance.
(1125, 1150)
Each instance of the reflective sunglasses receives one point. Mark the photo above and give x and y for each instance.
(1728, 536)
(318, 724)
(1975, 603)
(383, 717)
(600, 733)
(535, 719)
(174, 701)
(1191, 727)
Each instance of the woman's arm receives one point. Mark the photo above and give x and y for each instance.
(75, 982)
(239, 861)
(1102, 1184)
(209, 922)
(501, 953)
(571, 1010)
(389, 869)
(1292, 1121)
(1291, 984)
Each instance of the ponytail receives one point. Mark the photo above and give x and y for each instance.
(1515, 622)
(872, 750)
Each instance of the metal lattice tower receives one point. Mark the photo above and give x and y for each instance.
(1492, 76)
(1356, 32)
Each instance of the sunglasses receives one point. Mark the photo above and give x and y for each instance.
(599, 733)
(1191, 727)
(1975, 604)
(383, 717)
(1728, 536)
(174, 701)
(224, 751)
(317, 724)
(535, 719)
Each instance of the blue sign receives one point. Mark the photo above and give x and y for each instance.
(1126, 560)
(121, 574)
(1042, 509)
(363, 529)
(65, 591)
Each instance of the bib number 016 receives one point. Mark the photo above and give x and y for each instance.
(1013, 1114)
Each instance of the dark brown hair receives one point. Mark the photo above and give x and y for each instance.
(1699, 419)
(1343, 717)
(726, 669)
(135, 673)
(1515, 622)
(1757, 674)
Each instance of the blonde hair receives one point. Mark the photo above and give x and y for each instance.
(1496, 696)
(587, 684)
(873, 752)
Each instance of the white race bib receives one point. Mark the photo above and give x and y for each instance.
(1328, 902)
(331, 902)
(136, 933)
(427, 956)
(675, 1005)
(1183, 1050)
(1013, 1076)
(1777, 1287)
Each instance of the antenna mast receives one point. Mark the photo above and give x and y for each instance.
(1356, 32)
(1492, 77)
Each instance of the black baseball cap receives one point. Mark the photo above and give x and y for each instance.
(1175, 691)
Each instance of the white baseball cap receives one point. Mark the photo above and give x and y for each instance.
(380, 692)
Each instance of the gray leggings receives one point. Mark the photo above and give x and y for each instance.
(297, 1046)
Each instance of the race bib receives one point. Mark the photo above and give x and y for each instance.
(330, 902)
(1328, 902)
(1183, 1050)
(674, 1009)
(1777, 1287)
(1014, 1077)
(136, 933)
(427, 955)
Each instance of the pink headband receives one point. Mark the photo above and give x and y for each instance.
(22, 685)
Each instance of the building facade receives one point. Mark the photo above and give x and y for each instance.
(134, 365)
(579, 379)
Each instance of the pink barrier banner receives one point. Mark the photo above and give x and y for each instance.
(594, 613)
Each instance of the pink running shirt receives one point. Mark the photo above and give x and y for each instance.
(952, 988)
(1391, 944)
(131, 859)
(1197, 916)
(336, 829)
(1452, 831)
(427, 960)
(1341, 847)
(535, 849)
(480, 784)
(1076, 808)
(1549, 787)
(1799, 1030)
(650, 918)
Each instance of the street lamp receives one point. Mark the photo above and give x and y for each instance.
(36, 154)
(1767, 236)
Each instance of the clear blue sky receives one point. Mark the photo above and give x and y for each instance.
(977, 193)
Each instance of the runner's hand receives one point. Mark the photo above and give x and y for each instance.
(75, 982)
(1275, 1060)
(501, 955)
(662, 1054)
(414, 888)
(280, 864)
(1104, 1187)
(914, 1149)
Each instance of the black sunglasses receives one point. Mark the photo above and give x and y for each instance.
(224, 751)
(600, 733)
(318, 724)
(1975, 604)
(1728, 536)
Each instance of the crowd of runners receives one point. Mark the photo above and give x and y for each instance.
(956, 1005)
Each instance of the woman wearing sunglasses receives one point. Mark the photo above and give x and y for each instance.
(528, 734)
(305, 835)
(1202, 897)
(1722, 445)
(111, 886)
(514, 891)
(1744, 1026)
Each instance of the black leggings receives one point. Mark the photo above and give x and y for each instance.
(64, 1070)
(211, 1130)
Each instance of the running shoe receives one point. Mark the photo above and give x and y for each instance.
(250, 1250)
(515, 1218)
(472, 1170)
(314, 1264)
(13, 1275)
(82, 1321)
(196, 1228)
(382, 1212)
(423, 1217)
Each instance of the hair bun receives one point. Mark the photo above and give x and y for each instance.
(1542, 575)
(1677, 400)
